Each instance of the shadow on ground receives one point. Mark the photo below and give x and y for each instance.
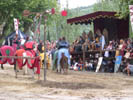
(69, 85)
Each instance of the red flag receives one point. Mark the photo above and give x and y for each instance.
(64, 13)
(53, 11)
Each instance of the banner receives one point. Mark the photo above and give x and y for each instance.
(131, 15)
(16, 22)
(117, 63)
(100, 59)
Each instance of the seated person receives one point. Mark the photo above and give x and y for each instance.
(86, 45)
(97, 43)
(80, 64)
(78, 45)
(129, 67)
(88, 66)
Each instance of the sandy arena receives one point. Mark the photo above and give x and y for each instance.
(74, 86)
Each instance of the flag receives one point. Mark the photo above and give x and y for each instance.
(16, 23)
(131, 15)
(53, 11)
(64, 13)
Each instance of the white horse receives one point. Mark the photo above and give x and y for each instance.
(26, 63)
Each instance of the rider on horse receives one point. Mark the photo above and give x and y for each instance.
(63, 46)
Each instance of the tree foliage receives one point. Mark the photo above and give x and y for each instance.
(59, 26)
(119, 6)
(56, 24)
(10, 9)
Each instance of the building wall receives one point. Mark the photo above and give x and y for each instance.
(123, 28)
(117, 29)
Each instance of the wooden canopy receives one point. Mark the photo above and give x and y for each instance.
(103, 20)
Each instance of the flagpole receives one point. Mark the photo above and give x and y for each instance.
(39, 26)
(45, 69)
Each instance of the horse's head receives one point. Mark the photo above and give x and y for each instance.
(63, 54)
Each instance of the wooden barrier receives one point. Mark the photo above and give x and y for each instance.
(16, 57)
(92, 52)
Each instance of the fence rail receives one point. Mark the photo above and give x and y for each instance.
(16, 57)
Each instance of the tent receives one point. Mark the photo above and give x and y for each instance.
(20, 35)
(10, 37)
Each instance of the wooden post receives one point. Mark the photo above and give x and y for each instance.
(45, 69)
(83, 56)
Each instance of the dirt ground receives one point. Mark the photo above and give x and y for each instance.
(74, 86)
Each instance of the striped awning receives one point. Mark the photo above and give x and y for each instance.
(87, 19)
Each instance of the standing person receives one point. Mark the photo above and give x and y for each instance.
(102, 40)
(16, 42)
(90, 36)
(117, 63)
(27, 39)
(40, 47)
(122, 46)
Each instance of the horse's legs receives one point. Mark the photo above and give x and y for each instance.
(63, 69)
(128, 72)
(38, 76)
(2, 66)
(25, 70)
(16, 70)
(67, 70)
(15, 67)
(31, 72)
(60, 68)
(56, 66)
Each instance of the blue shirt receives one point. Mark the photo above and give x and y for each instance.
(118, 60)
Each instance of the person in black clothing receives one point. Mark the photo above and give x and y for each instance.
(58, 43)
(63, 46)
(63, 43)
(78, 47)
(17, 41)
(40, 47)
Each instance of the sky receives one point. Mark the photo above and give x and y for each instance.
(76, 3)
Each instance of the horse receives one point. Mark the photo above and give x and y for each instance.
(31, 63)
(55, 59)
(64, 63)
(2, 67)
(63, 60)
(9, 51)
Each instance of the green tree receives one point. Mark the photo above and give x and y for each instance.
(10, 9)
(120, 6)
